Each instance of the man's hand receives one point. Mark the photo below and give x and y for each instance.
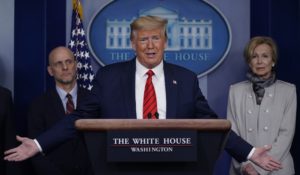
(263, 160)
(248, 169)
(24, 151)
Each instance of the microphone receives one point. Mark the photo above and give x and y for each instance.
(149, 115)
(156, 115)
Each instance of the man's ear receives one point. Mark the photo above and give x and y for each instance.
(133, 45)
(50, 71)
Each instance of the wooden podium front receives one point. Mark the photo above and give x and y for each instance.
(210, 136)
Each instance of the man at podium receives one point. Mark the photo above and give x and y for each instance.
(144, 87)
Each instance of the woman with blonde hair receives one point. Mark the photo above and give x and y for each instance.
(262, 109)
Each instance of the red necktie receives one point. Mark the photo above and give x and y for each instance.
(150, 104)
(70, 104)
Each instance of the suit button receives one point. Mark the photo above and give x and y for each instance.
(270, 95)
(266, 128)
(249, 111)
(267, 111)
(250, 130)
(249, 96)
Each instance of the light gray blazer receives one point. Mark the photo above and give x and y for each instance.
(271, 123)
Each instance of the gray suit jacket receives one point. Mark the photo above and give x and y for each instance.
(271, 123)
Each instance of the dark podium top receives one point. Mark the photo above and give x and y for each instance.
(211, 136)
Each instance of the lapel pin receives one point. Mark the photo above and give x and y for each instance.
(174, 82)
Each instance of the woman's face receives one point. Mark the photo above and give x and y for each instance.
(261, 61)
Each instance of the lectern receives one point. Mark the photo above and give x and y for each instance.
(154, 147)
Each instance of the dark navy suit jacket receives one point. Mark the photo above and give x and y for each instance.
(69, 158)
(113, 96)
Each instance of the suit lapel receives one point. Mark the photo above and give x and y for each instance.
(128, 87)
(171, 91)
(57, 103)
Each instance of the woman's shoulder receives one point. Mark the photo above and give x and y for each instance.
(285, 85)
(241, 84)
(240, 87)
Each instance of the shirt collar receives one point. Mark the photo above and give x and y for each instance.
(62, 93)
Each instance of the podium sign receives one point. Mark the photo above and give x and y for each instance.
(152, 146)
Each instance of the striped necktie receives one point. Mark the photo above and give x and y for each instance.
(70, 104)
(150, 104)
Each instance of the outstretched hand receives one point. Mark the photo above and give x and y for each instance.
(263, 160)
(24, 151)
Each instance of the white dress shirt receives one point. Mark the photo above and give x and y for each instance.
(158, 80)
(62, 95)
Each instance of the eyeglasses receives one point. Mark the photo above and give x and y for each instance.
(61, 64)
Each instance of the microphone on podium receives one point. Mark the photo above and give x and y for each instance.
(149, 115)
(156, 115)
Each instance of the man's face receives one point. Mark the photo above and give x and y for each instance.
(149, 46)
(62, 67)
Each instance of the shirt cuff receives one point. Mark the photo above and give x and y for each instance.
(38, 145)
(251, 153)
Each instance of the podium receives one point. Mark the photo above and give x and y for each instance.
(194, 152)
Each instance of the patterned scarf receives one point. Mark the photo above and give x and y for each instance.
(259, 85)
